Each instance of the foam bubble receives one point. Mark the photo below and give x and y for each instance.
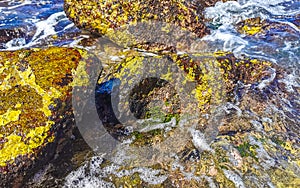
(235, 178)
(199, 140)
(91, 174)
(80, 178)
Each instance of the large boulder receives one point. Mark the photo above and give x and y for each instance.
(254, 144)
(144, 24)
(36, 116)
(202, 81)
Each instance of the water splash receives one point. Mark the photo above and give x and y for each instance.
(283, 48)
(41, 23)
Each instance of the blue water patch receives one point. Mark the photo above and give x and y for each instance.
(36, 10)
(39, 21)
(108, 86)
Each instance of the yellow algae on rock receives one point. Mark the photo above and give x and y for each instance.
(10, 115)
(266, 27)
(213, 74)
(16, 145)
(128, 23)
(251, 26)
(251, 30)
(104, 16)
(32, 84)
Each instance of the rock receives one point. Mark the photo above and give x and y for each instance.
(144, 24)
(172, 86)
(257, 143)
(8, 34)
(16, 36)
(36, 116)
(203, 69)
(267, 28)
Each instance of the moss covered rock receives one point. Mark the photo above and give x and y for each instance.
(144, 24)
(167, 87)
(35, 106)
(257, 144)
(260, 27)
(103, 16)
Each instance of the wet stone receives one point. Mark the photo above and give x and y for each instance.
(128, 23)
(36, 116)
(270, 30)
(16, 37)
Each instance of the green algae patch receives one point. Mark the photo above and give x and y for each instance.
(32, 85)
(246, 150)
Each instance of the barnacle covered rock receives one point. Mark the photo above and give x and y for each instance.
(104, 16)
(203, 69)
(35, 92)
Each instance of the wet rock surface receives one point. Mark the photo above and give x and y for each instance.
(36, 113)
(259, 27)
(7, 35)
(149, 25)
(244, 111)
(253, 141)
(102, 16)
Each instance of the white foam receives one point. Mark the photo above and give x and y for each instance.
(232, 12)
(146, 174)
(46, 28)
(210, 181)
(257, 125)
(169, 124)
(22, 3)
(229, 106)
(235, 178)
(69, 26)
(231, 42)
(227, 15)
(264, 158)
(91, 174)
(81, 178)
(266, 82)
(199, 140)
(15, 43)
(290, 81)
